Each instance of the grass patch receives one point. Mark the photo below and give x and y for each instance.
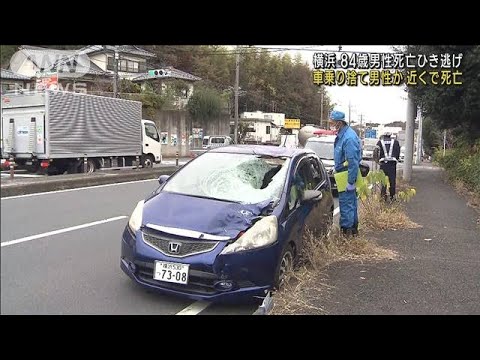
(376, 214)
(305, 286)
(473, 198)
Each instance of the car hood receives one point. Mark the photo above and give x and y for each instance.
(207, 216)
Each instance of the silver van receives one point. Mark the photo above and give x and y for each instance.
(216, 141)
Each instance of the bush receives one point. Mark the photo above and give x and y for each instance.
(377, 214)
(462, 164)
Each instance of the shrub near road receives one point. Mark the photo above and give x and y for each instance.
(462, 165)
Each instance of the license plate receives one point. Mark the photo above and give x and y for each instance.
(171, 272)
(28, 163)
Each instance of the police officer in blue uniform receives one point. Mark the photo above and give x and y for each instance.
(347, 156)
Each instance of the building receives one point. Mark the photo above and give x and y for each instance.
(13, 81)
(168, 78)
(91, 68)
(132, 60)
(262, 127)
(71, 69)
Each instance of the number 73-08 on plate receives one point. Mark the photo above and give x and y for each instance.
(171, 272)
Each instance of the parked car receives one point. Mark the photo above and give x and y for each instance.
(323, 146)
(210, 142)
(367, 152)
(229, 224)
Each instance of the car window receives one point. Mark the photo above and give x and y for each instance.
(299, 184)
(245, 178)
(318, 171)
(151, 132)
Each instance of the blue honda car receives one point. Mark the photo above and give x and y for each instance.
(229, 224)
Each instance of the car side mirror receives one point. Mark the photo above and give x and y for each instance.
(364, 169)
(311, 195)
(163, 179)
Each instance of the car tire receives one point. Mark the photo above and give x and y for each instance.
(147, 161)
(285, 265)
(91, 167)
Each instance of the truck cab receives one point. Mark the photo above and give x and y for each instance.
(151, 145)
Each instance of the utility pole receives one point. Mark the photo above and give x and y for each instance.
(362, 133)
(115, 70)
(419, 138)
(349, 110)
(237, 80)
(409, 135)
(321, 108)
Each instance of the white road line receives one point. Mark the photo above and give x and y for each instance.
(82, 188)
(23, 175)
(336, 211)
(55, 232)
(194, 308)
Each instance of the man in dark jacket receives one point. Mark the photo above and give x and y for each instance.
(387, 153)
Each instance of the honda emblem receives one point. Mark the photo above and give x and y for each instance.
(174, 247)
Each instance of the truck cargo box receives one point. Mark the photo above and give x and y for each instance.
(60, 124)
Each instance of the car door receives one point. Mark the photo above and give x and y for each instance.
(151, 141)
(320, 216)
(296, 212)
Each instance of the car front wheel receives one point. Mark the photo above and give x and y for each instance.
(285, 266)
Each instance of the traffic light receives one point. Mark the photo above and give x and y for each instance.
(158, 72)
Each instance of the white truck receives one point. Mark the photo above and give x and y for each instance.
(60, 131)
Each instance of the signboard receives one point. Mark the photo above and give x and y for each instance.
(292, 124)
(173, 140)
(164, 138)
(197, 133)
(22, 131)
(47, 82)
(371, 134)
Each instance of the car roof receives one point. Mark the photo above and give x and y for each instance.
(268, 150)
(325, 138)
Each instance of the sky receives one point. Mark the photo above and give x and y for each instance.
(376, 103)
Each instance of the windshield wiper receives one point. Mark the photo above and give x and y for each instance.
(209, 198)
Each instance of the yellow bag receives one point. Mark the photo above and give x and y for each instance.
(341, 178)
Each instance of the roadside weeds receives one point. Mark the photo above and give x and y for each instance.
(306, 285)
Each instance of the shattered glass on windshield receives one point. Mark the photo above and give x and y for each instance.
(244, 178)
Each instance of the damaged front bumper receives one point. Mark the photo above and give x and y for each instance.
(238, 277)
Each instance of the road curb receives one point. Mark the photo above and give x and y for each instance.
(64, 182)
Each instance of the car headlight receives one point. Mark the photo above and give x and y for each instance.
(136, 219)
(262, 233)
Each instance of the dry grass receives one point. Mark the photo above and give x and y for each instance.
(473, 199)
(375, 214)
(305, 286)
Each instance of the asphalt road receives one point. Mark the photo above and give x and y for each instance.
(75, 269)
(437, 271)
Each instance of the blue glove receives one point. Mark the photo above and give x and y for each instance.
(350, 187)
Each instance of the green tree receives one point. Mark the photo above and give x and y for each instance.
(452, 106)
(205, 104)
(6, 52)
(269, 82)
(432, 137)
